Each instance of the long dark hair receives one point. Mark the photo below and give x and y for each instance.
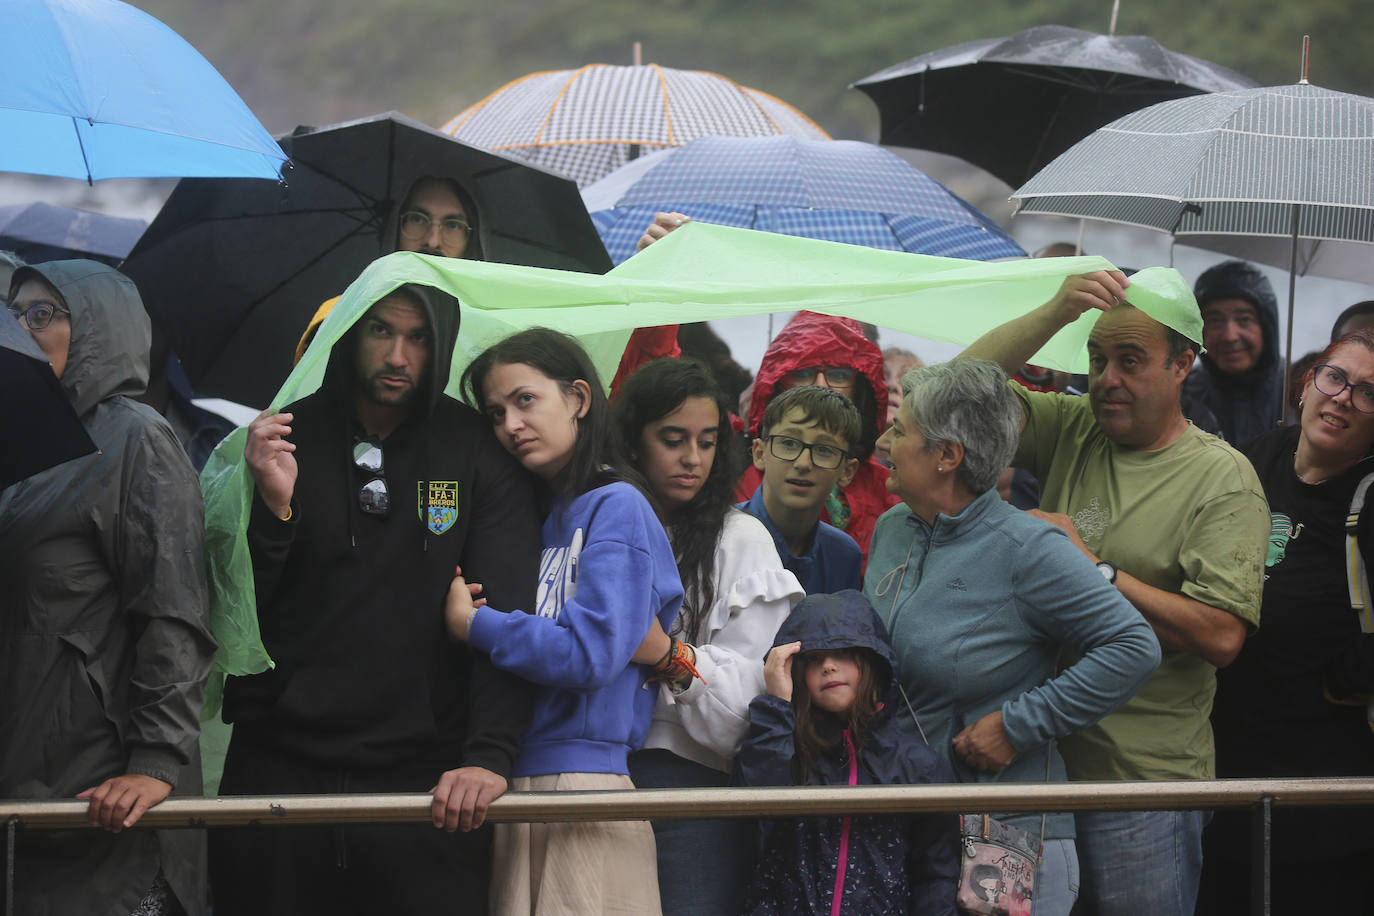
(654, 391)
(562, 359)
(808, 742)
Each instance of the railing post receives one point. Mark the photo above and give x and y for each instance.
(10, 826)
(1261, 824)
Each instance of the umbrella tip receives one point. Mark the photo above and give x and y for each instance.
(1306, 45)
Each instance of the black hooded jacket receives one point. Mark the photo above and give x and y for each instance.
(1245, 404)
(351, 604)
(894, 864)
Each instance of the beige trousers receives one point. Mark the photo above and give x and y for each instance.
(589, 867)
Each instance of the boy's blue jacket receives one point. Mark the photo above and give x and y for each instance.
(894, 864)
(607, 571)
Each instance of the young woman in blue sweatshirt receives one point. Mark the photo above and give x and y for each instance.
(606, 574)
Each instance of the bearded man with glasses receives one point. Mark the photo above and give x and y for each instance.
(438, 217)
(368, 494)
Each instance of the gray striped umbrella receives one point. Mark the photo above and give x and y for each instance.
(1232, 172)
(1283, 175)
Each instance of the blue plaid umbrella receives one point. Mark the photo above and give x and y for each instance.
(836, 190)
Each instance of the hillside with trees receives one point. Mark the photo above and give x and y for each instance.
(319, 61)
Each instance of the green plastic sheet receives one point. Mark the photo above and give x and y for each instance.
(699, 272)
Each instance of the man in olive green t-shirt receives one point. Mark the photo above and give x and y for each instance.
(1177, 520)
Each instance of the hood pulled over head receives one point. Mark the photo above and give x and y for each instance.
(843, 620)
(442, 312)
(111, 331)
(1241, 280)
(811, 339)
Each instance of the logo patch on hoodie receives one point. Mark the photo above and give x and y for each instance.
(438, 508)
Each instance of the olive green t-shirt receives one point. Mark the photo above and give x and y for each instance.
(1189, 518)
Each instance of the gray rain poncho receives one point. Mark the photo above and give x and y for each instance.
(104, 644)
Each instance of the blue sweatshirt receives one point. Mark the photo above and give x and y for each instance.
(607, 570)
(832, 563)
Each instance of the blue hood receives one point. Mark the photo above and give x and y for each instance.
(844, 620)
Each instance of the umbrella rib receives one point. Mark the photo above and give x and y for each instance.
(303, 268)
(553, 107)
(85, 160)
(667, 107)
(390, 190)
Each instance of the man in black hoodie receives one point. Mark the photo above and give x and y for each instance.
(1240, 374)
(369, 493)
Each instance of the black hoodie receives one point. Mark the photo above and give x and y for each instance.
(351, 604)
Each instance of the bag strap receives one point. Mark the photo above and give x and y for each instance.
(1356, 574)
(1357, 577)
(1044, 815)
(880, 592)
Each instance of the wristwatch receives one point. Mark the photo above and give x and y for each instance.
(1108, 571)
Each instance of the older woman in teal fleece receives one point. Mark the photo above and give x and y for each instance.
(980, 599)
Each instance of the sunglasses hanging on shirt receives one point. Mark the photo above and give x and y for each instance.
(373, 497)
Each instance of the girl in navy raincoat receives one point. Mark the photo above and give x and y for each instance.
(827, 719)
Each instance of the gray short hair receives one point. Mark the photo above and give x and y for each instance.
(966, 401)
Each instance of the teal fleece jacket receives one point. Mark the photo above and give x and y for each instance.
(979, 606)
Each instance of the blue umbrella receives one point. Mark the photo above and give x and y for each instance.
(44, 232)
(98, 89)
(837, 190)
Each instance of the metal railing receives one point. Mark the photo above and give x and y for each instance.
(1261, 795)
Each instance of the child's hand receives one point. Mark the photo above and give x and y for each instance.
(777, 670)
(461, 605)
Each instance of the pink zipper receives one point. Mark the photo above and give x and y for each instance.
(837, 897)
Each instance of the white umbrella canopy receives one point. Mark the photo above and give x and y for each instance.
(585, 123)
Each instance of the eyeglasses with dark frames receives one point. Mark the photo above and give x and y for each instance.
(415, 225)
(835, 376)
(39, 315)
(826, 457)
(1331, 381)
(373, 497)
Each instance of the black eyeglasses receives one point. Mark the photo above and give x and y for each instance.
(835, 376)
(826, 457)
(415, 225)
(1331, 381)
(373, 498)
(39, 315)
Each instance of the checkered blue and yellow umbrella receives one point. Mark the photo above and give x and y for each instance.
(586, 123)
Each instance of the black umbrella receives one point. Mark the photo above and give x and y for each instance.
(1010, 105)
(38, 425)
(233, 269)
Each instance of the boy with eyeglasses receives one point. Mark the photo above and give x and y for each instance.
(806, 449)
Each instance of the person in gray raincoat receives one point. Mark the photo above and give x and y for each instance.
(104, 643)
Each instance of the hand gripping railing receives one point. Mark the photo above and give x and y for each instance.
(648, 804)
